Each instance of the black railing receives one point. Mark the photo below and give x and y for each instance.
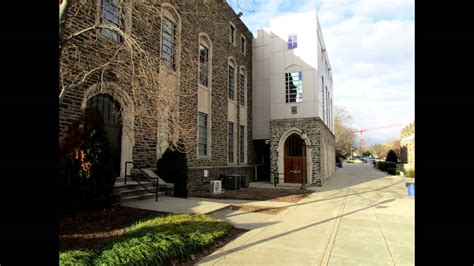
(146, 177)
(276, 177)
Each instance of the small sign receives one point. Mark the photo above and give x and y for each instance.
(294, 110)
(206, 173)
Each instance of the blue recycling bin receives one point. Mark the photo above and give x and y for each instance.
(411, 189)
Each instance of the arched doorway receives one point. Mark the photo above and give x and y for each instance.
(110, 111)
(294, 159)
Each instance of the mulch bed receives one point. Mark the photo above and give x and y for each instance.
(260, 209)
(89, 229)
(272, 194)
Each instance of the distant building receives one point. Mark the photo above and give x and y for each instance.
(293, 99)
(407, 145)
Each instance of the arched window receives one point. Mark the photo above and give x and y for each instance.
(170, 36)
(243, 86)
(205, 59)
(232, 69)
(107, 107)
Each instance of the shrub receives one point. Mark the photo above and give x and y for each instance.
(86, 176)
(391, 157)
(383, 166)
(173, 168)
(393, 171)
(157, 241)
(410, 173)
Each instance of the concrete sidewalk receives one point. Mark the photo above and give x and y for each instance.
(362, 216)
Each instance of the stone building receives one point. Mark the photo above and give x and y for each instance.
(203, 47)
(407, 146)
(204, 52)
(293, 100)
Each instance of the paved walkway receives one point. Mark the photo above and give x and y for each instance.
(361, 217)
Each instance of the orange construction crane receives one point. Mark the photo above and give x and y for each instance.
(369, 129)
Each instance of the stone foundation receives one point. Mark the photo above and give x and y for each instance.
(321, 166)
(198, 183)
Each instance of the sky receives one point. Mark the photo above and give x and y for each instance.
(370, 44)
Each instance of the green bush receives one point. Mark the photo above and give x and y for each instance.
(393, 171)
(383, 166)
(156, 241)
(391, 157)
(410, 173)
(76, 257)
(86, 176)
(173, 168)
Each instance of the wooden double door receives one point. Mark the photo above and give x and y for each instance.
(293, 169)
(294, 160)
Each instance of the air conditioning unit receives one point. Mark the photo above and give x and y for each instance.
(215, 187)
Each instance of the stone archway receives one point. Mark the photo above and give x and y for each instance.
(294, 162)
(308, 164)
(127, 121)
(109, 110)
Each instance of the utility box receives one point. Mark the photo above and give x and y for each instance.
(232, 182)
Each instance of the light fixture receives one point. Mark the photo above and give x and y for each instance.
(206, 173)
(240, 14)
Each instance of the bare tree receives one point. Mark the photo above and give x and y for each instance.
(343, 131)
(85, 58)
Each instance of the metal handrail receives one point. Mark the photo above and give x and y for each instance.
(147, 177)
(276, 177)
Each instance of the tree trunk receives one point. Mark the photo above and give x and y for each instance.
(63, 12)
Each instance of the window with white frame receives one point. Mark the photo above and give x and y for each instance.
(294, 87)
(203, 65)
(202, 138)
(243, 45)
(292, 41)
(322, 98)
(168, 42)
(242, 89)
(232, 33)
(231, 81)
(111, 14)
(230, 142)
(242, 144)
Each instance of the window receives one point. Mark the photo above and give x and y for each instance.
(242, 144)
(203, 65)
(242, 89)
(230, 142)
(294, 87)
(231, 82)
(202, 140)
(327, 105)
(168, 43)
(322, 96)
(111, 15)
(242, 45)
(292, 41)
(232, 34)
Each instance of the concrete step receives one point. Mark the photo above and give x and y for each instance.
(142, 197)
(131, 185)
(134, 192)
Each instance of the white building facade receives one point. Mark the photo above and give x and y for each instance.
(293, 100)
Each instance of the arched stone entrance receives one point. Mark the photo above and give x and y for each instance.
(124, 101)
(294, 161)
(281, 153)
(109, 110)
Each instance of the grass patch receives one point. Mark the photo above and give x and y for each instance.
(158, 240)
(410, 173)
